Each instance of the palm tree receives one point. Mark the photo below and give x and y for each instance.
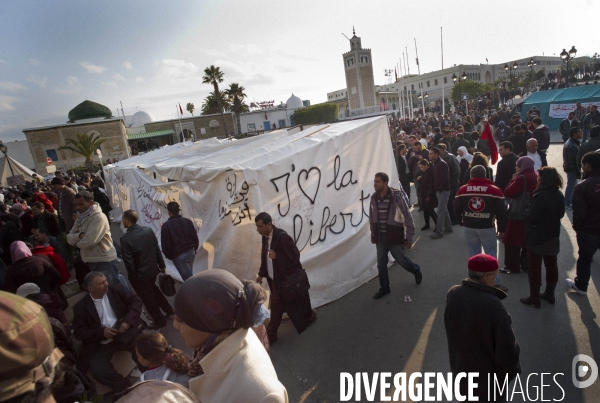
(210, 105)
(213, 75)
(190, 108)
(236, 95)
(85, 145)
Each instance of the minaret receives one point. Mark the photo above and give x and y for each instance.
(358, 66)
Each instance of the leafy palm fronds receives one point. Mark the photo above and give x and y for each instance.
(85, 145)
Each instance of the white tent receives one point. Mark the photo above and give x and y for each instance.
(10, 167)
(315, 184)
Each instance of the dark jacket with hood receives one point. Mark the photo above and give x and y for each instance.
(586, 199)
(570, 151)
(546, 208)
(542, 135)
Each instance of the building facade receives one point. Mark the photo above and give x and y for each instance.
(272, 118)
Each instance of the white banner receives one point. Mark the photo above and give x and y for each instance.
(316, 187)
(561, 111)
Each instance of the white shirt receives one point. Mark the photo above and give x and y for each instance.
(537, 160)
(405, 162)
(269, 260)
(423, 141)
(108, 318)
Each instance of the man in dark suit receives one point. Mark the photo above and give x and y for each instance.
(143, 260)
(404, 169)
(567, 124)
(280, 262)
(106, 321)
(507, 166)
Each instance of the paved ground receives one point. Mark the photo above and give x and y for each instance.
(359, 334)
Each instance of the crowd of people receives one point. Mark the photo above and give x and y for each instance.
(55, 229)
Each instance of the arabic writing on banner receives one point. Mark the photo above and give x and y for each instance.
(561, 111)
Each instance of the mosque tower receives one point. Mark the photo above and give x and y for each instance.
(360, 84)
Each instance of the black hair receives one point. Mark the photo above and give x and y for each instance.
(537, 121)
(173, 208)
(435, 150)
(592, 158)
(574, 130)
(84, 194)
(264, 217)
(131, 216)
(383, 176)
(549, 178)
(507, 144)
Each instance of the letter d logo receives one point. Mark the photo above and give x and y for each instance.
(583, 370)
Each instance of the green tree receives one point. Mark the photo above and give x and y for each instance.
(466, 87)
(320, 113)
(190, 108)
(213, 75)
(85, 145)
(212, 105)
(236, 94)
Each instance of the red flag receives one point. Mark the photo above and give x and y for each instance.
(180, 110)
(489, 137)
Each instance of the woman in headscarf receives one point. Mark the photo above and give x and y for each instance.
(515, 247)
(542, 233)
(28, 268)
(214, 313)
(464, 160)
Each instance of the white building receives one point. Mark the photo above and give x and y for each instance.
(271, 118)
(408, 88)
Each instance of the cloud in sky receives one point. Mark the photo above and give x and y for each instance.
(71, 87)
(11, 86)
(177, 68)
(128, 65)
(6, 103)
(39, 81)
(111, 84)
(119, 77)
(92, 68)
(34, 62)
(2, 61)
(139, 80)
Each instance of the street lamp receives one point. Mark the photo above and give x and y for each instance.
(566, 58)
(460, 79)
(530, 65)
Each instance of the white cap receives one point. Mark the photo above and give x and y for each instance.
(28, 289)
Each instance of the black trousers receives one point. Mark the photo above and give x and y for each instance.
(103, 370)
(153, 299)
(453, 190)
(277, 310)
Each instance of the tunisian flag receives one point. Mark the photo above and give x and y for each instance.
(489, 137)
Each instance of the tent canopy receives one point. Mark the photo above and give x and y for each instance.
(554, 105)
(315, 184)
(10, 167)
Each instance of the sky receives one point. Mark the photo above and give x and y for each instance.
(150, 54)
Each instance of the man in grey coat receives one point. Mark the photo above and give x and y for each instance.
(479, 329)
(143, 260)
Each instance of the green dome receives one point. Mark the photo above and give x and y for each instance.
(89, 110)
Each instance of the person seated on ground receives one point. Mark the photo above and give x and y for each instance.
(44, 219)
(214, 311)
(42, 237)
(59, 263)
(165, 363)
(50, 301)
(26, 268)
(36, 196)
(27, 351)
(106, 320)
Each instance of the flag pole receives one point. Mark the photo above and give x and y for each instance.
(180, 126)
(400, 92)
(420, 79)
(408, 98)
(443, 85)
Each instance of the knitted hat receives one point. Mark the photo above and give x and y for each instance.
(483, 263)
(478, 172)
(27, 350)
(57, 181)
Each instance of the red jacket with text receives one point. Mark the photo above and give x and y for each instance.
(478, 203)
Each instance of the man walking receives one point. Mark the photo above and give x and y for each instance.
(143, 260)
(479, 330)
(419, 153)
(592, 144)
(541, 134)
(454, 169)
(441, 184)
(179, 241)
(591, 120)
(404, 169)
(539, 158)
(280, 265)
(571, 166)
(478, 206)
(507, 166)
(519, 138)
(91, 234)
(566, 125)
(392, 230)
(66, 197)
(586, 220)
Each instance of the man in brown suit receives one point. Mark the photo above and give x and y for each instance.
(280, 262)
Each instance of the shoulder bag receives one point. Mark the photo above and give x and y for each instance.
(517, 207)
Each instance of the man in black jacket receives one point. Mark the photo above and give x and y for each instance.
(541, 134)
(592, 144)
(143, 260)
(279, 264)
(566, 125)
(507, 166)
(586, 220)
(106, 321)
(519, 138)
(479, 330)
(404, 169)
(179, 241)
(571, 166)
(454, 170)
